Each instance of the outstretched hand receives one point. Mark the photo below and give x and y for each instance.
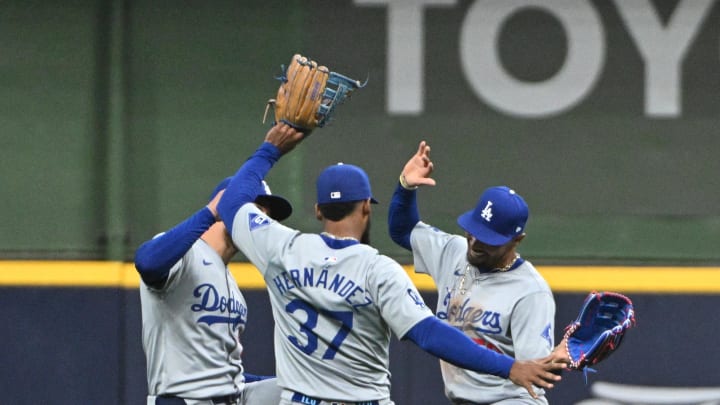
(418, 169)
(540, 373)
(284, 137)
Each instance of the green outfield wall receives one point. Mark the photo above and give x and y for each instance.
(119, 117)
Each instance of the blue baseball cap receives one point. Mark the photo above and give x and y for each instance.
(220, 187)
(343, 183)
(279, 207)
(499, 216)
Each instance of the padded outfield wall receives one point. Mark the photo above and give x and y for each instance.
(118, 117)
(73, 336)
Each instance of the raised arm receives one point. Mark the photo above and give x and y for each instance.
(403, 212)
(403, 215)
(243, 188)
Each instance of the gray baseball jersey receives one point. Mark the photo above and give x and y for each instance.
(510, 312)
(334, 309)
(192, 327)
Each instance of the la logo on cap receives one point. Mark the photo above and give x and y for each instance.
(486, 213)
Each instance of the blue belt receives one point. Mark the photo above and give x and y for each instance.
(173, 400)
(308, 400)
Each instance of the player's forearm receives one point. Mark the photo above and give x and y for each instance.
(403, 215)
(451, 345)
(244, 186)
(155, 258)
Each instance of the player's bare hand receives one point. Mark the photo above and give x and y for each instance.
(284, 137)
(212, 205)
(540, 373)
(418, 169)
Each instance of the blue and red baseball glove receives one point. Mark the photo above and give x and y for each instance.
(598, 330)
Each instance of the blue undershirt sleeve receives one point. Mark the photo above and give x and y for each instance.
(254, 377)
(447, 343)
(246, 183)
(403, 215)
(155, 258)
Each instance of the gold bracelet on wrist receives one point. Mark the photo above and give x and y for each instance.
(404, 183)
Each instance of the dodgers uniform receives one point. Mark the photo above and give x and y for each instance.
(192, 327)
(511, 312)
(335, 304)
(193, 317)
(335, 300)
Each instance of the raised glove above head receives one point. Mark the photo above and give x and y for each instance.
(309, 94)
(599, 328)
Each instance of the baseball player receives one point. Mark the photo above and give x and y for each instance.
(193, 312)
(485, 288)
(336, 300)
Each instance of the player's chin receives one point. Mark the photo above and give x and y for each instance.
(476, 258)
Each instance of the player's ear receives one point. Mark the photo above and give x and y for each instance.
(264, 209)
(318, 214)
(519, 238)
(366, 207)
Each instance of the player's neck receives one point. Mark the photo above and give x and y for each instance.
(218, 239)
(508, 262)
(349, 227)
(342, 230)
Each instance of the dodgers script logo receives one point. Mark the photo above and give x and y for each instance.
(474, 318)
(228, 309)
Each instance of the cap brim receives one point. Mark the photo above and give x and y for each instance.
(374, 201)
(481, 232)
(280, 208)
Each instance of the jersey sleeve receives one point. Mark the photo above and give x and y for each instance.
(434, 251)
(155, 258)
(399, 301)
(174, 273)
(258, 236)
(533, 326)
